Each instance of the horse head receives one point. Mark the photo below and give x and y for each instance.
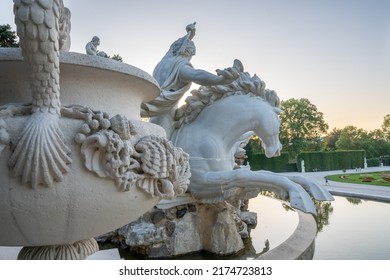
(268, 132)
(249, 97)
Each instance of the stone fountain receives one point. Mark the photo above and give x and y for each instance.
(76, 161)
(213, 126)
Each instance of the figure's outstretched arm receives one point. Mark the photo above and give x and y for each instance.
(201, 77)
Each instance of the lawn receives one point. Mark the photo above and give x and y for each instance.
(373, 178)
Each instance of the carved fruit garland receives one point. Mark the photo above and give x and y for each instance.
(152, 163)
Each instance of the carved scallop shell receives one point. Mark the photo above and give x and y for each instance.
(41, 156)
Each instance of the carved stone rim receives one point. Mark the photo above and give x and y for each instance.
(73, 58)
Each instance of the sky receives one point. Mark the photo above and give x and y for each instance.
(336, 53)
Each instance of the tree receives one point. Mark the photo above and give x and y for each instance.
(302, 126)
(386, 127)
(7, 37)
(378, 144)
(331, 139)
(351, 138)
(373, 142)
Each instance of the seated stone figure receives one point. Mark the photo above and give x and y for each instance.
(91, 47)
(175, 74)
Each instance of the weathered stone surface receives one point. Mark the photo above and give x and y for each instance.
(158, 216)
(191, 207)
(216, 228)
(170, 227)
(250, 218)
(180, 213)
(105, 237)
(244, 233)
(187, 238)
(143, 234)
(224, 238)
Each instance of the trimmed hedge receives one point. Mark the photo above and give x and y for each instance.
(373, 162)
(323, 161)
(276, 164)
(386, 161)
(318, 161)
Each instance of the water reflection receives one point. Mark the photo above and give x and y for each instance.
(348, 228)
(276, 221)
(324, 210)
(353, 229)
(354, 200)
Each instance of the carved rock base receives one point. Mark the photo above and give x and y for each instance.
(77, 251)
(184, 229)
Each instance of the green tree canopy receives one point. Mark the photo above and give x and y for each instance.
(374, 142)
(8, 37)
(302, 126)
(386, 127)
(331, 139)
(350, 138)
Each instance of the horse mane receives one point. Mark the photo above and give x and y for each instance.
(206, 95)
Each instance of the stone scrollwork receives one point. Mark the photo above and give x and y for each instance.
(111, 148)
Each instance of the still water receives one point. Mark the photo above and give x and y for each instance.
(275, 222)
(354, 229)
(349, 228)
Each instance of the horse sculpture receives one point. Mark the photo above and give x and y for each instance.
(208, 128)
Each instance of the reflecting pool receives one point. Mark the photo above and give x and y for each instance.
(354, 229)
(348, 228)
(276, 221)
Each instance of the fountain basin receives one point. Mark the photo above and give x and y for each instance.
(84, 204)
(93, 81)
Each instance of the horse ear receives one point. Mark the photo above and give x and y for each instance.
(277, 110)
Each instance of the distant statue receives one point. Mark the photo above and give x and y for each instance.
(91, 47)
(175, 73)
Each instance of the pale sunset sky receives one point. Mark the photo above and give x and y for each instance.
(336, 53)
